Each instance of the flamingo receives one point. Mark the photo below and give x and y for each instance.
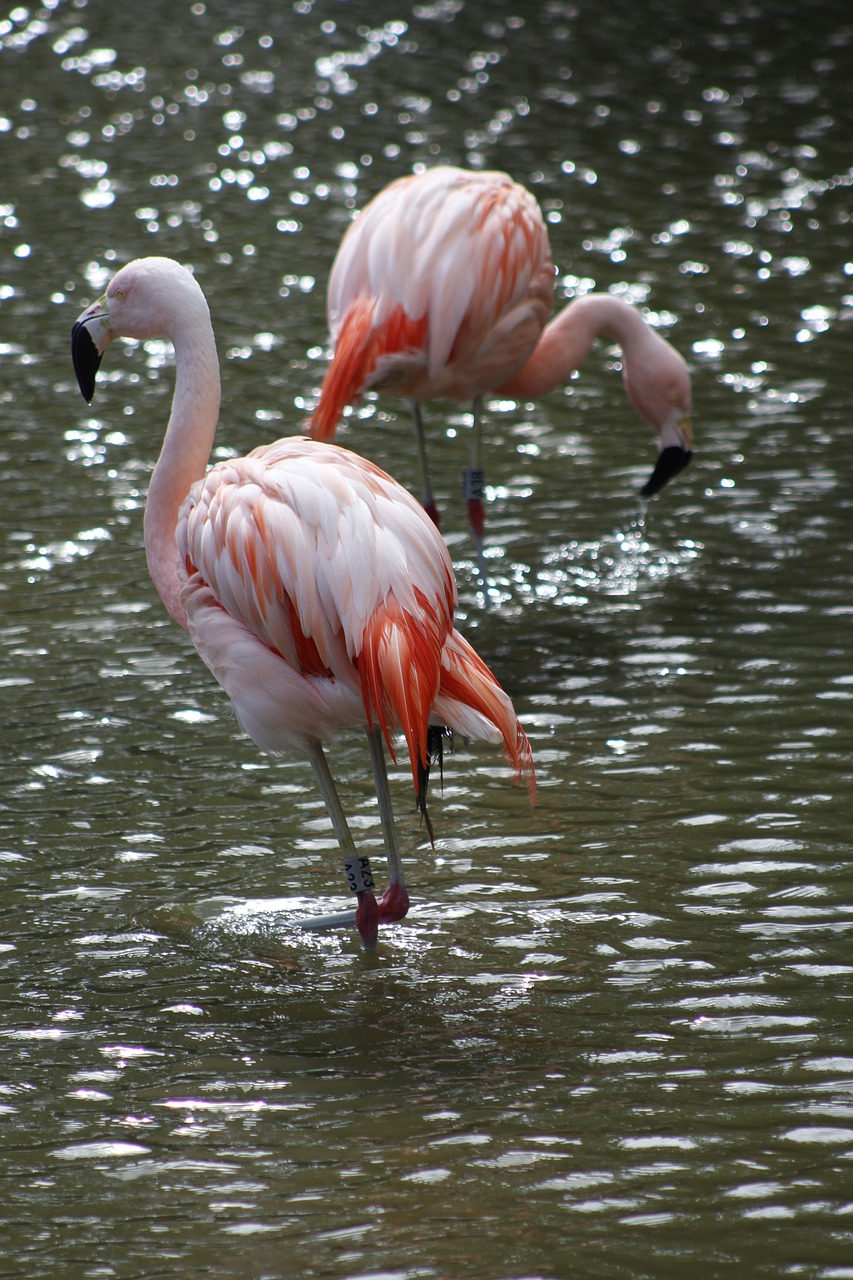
(314, 587)
(442, 287)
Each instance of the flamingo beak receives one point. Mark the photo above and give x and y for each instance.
(90, 337)
(676, 452)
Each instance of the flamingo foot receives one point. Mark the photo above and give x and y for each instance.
(394, 904)
(367, 919)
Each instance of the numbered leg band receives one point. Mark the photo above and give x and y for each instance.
(359, 875)
(473, 483)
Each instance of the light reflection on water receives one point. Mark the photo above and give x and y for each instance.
(614, 1026)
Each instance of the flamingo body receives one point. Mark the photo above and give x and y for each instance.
(442, 287)
(313, 586)
(320, 596)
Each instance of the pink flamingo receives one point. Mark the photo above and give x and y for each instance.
(313, 586)
(442, 287)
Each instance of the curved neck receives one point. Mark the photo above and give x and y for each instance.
(567, 340)
(185, 452)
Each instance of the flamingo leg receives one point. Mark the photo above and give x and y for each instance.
(428, 501)
(366, 915)
(473, 483)
(394, 902)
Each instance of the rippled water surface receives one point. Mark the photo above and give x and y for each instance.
(613, 1039)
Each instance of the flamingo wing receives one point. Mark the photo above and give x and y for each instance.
(471, 700)
(330, 567)
(441, 284)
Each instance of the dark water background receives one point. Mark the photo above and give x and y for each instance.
(614, 1037)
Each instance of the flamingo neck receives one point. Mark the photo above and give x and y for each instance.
(567, 340)
(185, 451)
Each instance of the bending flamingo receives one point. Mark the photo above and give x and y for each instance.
(442, 287)
(313, 586)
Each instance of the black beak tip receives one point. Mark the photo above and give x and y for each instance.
(86, 359)
(670, 461)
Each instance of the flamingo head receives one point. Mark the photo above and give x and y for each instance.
(657, 382)
(148, 298)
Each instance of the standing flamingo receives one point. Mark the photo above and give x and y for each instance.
(442, 286)
(313, 586)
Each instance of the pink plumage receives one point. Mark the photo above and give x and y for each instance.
(316, 590)
(442, 287)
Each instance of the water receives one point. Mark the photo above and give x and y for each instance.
(613, 1037)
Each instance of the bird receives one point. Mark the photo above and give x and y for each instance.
(314, 586)
(442, 287)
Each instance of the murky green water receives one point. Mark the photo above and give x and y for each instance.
(613, 1038)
